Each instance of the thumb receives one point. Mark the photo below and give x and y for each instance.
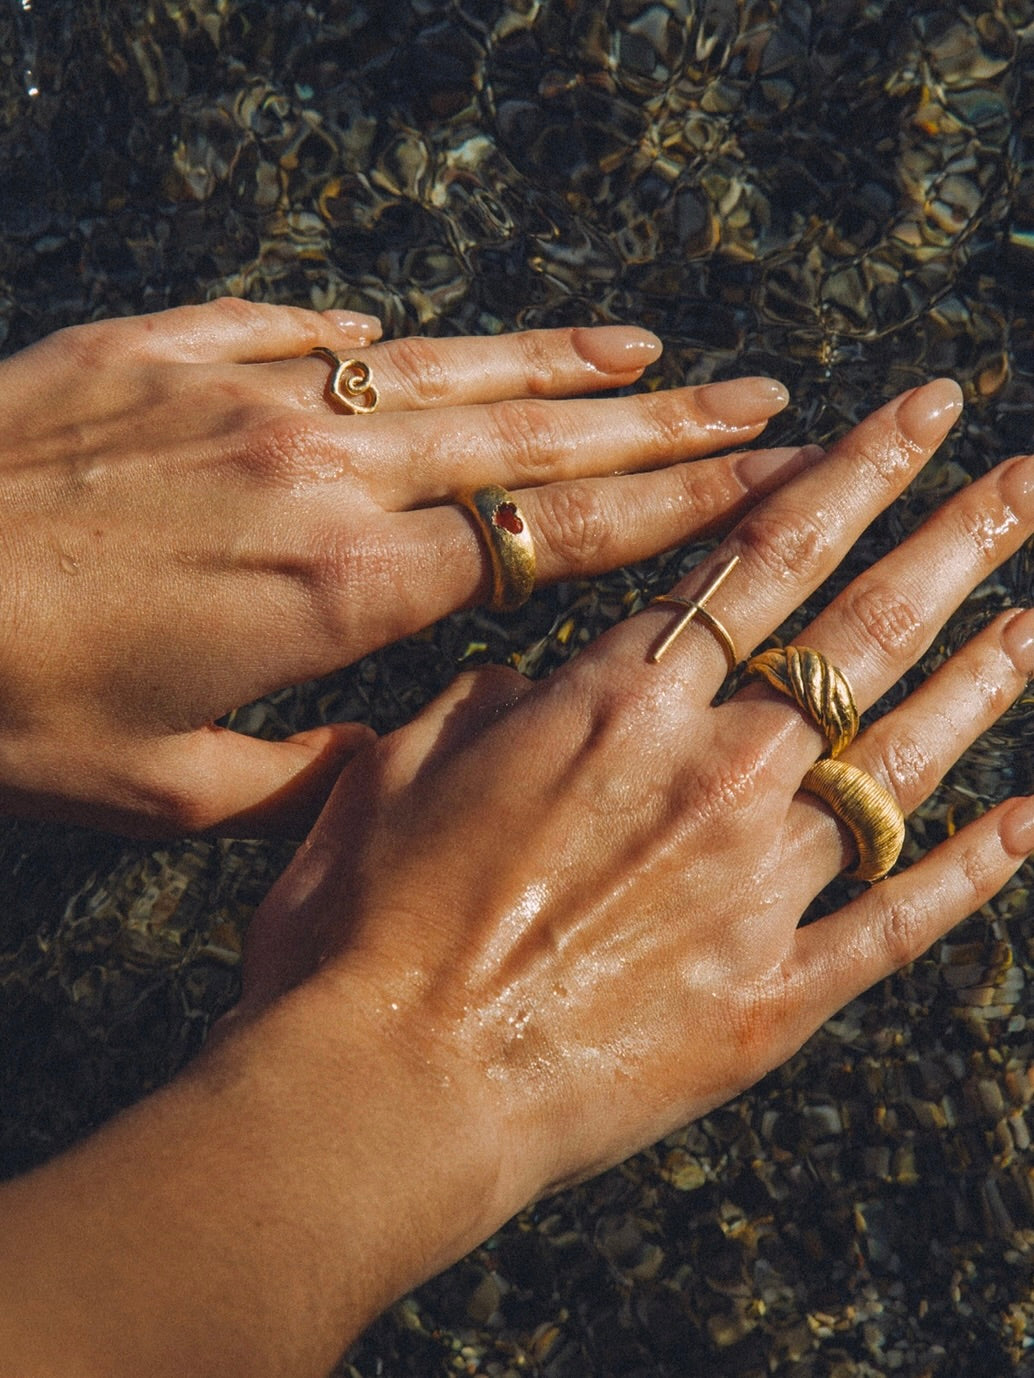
(237, 786)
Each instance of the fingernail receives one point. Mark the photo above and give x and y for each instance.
(1018, 640)
(927, 415)
(742, 401)
(1018, 486)
(1017, 828)
(764, 466)
(616, 348)
(356, 323)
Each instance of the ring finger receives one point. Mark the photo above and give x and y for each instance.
(910, 749)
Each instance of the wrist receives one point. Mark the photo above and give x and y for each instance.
(254, 1216)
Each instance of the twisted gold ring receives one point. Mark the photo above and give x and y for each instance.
(351, 382)
(694, 607)
(817, 686)
(510, 547)
(869, 811)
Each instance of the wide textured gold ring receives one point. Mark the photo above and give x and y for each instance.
(870, 812)
(510, 547)
(351, 382)
(816, 686)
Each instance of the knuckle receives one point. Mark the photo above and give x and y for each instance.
(902, 926)
(573, 524)
(785, 543)
(732, 790)
(281, 449)
(907, 768)
(420, 370)
(527, 432)
(538, 361)
(887, 617)
(706, 492)
(981, 528)
(669, 424)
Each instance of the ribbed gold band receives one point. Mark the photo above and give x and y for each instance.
(869, 811)
(818, 687)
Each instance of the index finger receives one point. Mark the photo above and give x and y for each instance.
(790, 543)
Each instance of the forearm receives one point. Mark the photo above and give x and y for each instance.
(250, 1219)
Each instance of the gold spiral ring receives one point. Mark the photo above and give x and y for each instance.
(816, 686)
(351, 382)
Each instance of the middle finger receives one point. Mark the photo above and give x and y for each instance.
(790, 543)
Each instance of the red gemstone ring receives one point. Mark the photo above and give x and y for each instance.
(508, 541)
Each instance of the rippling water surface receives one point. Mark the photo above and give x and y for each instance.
(838, 193)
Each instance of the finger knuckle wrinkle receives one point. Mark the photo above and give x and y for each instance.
(981, 529)
(572, 523)
(539, 365)
(527, 433)
(669, 423)
(707, 494)
(729, 790)
(785, 543)
(235, 312)
(887, 617)
(902, 929)
(421, 371)
(907, 767)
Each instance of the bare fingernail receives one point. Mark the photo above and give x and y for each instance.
(764, 466)
(1017, 828)
(928, 413)
(1018, 486)
(742, 401)
(616, 348)
(361, 327)
(1018, 640)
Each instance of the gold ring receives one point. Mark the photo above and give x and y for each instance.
(817, 686)
(510, 547)
(351, 382)
(869, 811)
(694, 607)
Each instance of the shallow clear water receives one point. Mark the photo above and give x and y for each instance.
(838, 193)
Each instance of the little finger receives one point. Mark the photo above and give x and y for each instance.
(894, 923)
(227, 330)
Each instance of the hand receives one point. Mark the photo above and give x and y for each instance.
(189, 524)
(575, 904)
(533, 931)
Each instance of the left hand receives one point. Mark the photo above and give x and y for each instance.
(580, 899)
(188, 524)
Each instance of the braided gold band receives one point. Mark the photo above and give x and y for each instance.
(510, 547)
(869, 811)
(351, 382)
(817, 686)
